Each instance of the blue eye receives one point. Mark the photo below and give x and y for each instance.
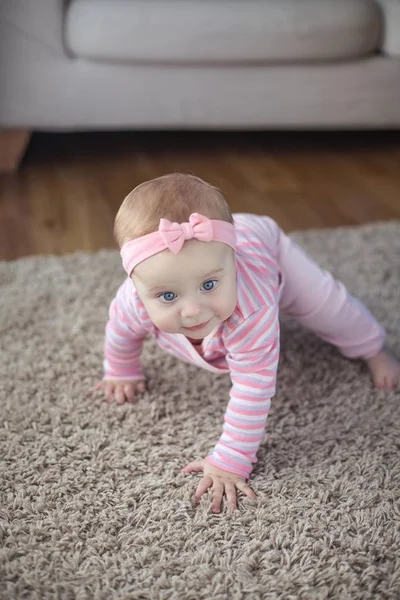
(168, 296)
(209, 285)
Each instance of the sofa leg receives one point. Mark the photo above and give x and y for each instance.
(13, 143)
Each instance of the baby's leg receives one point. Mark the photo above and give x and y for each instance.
(314, 298)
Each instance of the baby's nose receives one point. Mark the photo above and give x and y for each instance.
(190, 309)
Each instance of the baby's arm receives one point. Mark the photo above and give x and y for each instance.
(123, 373)
(253, 361)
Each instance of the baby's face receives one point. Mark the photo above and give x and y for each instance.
(190, 292)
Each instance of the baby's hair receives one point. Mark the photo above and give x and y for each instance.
(174, 197)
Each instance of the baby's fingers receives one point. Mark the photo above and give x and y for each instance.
(205, 483)
(106, 388)
(246, 489)
(95, 389)
(108, 391)
(119, 394)
(129, 391)
(141, 386)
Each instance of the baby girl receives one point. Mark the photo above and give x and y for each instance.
(209, 287)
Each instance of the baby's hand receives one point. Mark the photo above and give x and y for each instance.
(222, 483)
(121, 391)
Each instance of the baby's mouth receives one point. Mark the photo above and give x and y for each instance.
(197, 327)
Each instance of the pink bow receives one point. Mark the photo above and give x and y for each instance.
(175, 234)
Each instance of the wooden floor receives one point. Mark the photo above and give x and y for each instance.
(66, 193)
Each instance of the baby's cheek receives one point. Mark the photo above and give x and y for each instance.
(224, 308)
(168, 326)
(163, 321)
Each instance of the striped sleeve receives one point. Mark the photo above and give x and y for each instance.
(124, 339)
(253, 356)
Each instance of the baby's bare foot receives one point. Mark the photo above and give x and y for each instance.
(385, 370)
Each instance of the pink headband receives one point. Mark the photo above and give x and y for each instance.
(173, 236)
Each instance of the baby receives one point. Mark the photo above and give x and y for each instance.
(209, 287)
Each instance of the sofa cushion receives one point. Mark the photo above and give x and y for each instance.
(391, 27)
(221, 31)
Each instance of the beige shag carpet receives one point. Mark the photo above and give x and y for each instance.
(92, 504)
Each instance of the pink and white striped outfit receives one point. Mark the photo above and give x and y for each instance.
(273, 275)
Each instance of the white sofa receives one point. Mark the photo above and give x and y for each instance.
(119, 64)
